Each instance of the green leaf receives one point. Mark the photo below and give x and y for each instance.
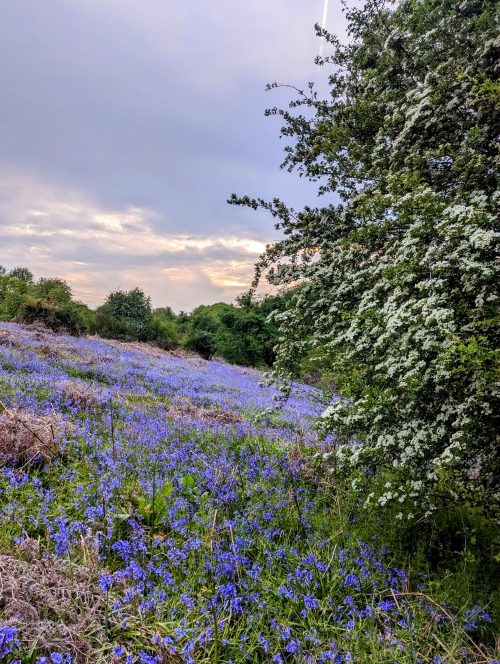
(168, 487)
(188, 481)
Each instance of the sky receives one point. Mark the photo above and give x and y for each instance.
(126, 124)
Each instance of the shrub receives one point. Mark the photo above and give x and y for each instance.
(58, 317)
(241, 334)
(164, 333)
(202, 342)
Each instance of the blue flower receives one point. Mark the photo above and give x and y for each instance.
(7, 640)
(476, 615)
(352, 580)
(105, 581)
(293, 646)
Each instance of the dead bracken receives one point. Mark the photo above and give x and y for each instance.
(78, 394)
(55, 604)
(187, 410)
(25, 436)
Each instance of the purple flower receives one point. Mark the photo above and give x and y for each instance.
(352, 580)
(473, 617)
(7, 640)
(386, 605)
(105, 581)
(310, 602)
(293, 646)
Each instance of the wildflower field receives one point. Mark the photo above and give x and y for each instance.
(156, 508)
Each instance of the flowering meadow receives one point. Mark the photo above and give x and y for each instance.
(157, 507)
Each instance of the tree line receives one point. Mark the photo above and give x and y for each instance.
(240, 332)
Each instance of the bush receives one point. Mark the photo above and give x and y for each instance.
(240, 334)
(164, 332)
(203, 343)
(244, 337)
(58, 317)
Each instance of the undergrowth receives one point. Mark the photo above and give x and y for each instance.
(215, 539)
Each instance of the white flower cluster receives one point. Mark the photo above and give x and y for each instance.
(397, 290)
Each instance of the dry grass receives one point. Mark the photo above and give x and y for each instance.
(154, 351)
(55, 603)
(25, 436)
(37, 330)
(187, 410)
(7, 338)
(78, 394)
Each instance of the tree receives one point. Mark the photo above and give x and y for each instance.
(124, 315)
(133, 305)
(55, 288)
(400, 281)
(13, 293)
(23, 274)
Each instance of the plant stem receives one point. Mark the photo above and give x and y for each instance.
(216, 635)
(112, 429)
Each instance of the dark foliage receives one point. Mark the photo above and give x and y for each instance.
(59, 317)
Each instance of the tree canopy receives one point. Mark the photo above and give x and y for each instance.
(400, 279)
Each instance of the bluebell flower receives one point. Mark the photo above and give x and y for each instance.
(7, 640)
(105, 581)
(352, 580)
(293, 646)
(476, 615)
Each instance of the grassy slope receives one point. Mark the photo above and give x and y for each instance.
(197, 530)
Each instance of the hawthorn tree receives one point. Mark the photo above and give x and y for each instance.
(400, 274)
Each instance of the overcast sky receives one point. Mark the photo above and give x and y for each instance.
(126, 124)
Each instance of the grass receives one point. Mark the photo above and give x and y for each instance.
(219, 544)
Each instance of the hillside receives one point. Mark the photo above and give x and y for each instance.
(154, 507)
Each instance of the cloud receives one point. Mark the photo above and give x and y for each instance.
(124, 127)
(97, 249)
